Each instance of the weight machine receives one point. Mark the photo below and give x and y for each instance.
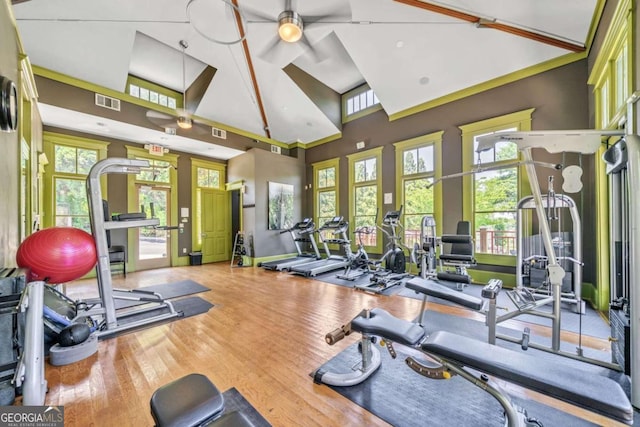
(461, 254)
(579, 141)
(533, 288)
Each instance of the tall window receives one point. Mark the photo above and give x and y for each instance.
(495, 197)
(492, 196)
(416, 166)
(612, 85)
(325, 176)
(365, 197)
(67, 173)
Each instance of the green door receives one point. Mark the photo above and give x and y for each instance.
(216, 227)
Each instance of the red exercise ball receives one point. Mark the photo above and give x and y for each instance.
(58, 254)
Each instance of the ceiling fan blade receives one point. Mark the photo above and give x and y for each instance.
(252, 14)
(201, 129)
(334, 17)
(161, 119)
(270, 52)
(315, 54)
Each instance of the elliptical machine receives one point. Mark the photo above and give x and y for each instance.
(394, 258)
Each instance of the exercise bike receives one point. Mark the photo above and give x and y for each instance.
(360, 263)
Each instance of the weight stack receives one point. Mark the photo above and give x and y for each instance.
(620, 334)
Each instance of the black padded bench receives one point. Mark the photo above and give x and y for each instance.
(434, 289)
(381, 323)
(555, 379)
(193, 400)
(593, 392)
(428, 287)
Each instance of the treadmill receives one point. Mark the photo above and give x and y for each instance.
(301, 232)
(338, 227)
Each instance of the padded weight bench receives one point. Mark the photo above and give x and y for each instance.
(454, 353)
(193, 400)
(428, 287)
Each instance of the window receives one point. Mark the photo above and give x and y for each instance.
(72, 165)
(326, 190)
(359, 102)
(612, 85)
(66, 175)
(491, 197)
(157, 172)
(208, 178)
(152, 92)
(417, 166)
(365, 197)
(495, 197)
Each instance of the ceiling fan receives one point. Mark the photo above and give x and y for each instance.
(183, 119)
(291, 28)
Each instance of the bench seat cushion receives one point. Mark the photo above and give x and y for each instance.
(556, 379)
(188, 401)
(434, 289)
(383, 324)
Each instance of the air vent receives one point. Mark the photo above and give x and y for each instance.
(275, 149)
(107, 102)
(219, 133)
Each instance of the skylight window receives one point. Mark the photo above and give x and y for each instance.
(361, 101)
(147, 91)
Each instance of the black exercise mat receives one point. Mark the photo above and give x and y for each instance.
(167, 290)
(332, 278)
(403, 398)
(592, 323)
(189, 306)
(234, 401)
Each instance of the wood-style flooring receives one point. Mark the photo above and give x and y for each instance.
(264, 336)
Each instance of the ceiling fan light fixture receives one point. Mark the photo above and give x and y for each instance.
(185, 122)
(290, 26)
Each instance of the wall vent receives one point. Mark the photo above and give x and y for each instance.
(219, 133)
(275, 149)
(107, 102)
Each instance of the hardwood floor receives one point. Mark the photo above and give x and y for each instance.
(264, 336)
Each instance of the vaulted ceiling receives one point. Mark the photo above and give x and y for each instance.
(410, 52)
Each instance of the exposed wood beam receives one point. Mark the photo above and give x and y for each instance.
(496, 26)
(252, 72)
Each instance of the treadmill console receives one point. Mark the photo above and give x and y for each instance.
(304, 224)
(335, 222)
